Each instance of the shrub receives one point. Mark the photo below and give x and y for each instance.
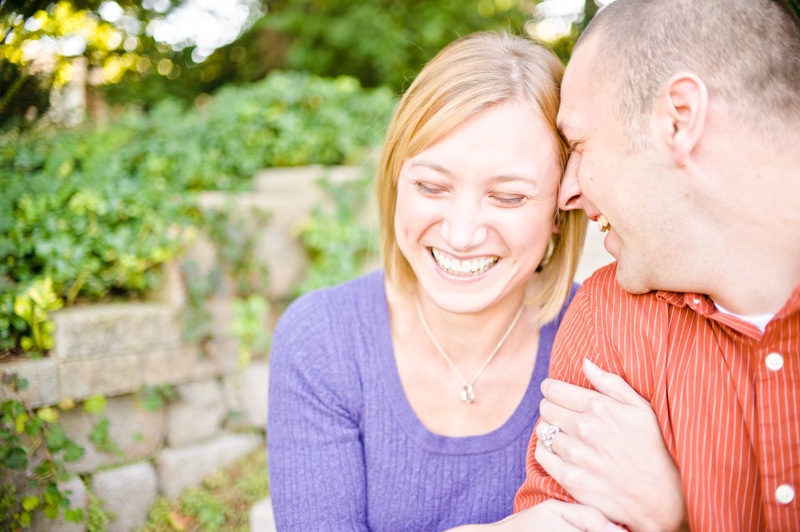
(93, 212)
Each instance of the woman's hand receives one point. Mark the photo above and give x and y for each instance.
(552, 516)
(610, 453)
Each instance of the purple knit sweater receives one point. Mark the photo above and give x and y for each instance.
(347, 452)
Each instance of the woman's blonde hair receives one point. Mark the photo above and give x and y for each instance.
(468, 76)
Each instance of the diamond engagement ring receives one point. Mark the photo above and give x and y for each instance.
(549, 434)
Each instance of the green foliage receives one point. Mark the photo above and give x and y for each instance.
(794, 6)
(101, 437)
(94, 404)
(234, 237)
(249, 326)
(223, 502)
(382, 42)
(33, 306)
(23, 433)
(119, 51)
(153, 397)
(97, 519)
(338, 242)
(98, 209)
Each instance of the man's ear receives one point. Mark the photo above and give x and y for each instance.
(681, 114)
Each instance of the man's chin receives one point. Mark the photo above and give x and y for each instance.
(633, 284)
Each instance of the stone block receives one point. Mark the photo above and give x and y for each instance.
(176, 366)
(289, 180)
(127, 494)
(76, 493)
(182, 467)
(224, 355)
(221, 312)
(119, 329)
(261, 517)
(200, 259)
(137, 432)
(246, 396)
(42, 376)
(197, 415)
(106, 376)
(170, 289)
(288, 195)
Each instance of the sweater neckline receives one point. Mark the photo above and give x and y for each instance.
(522, 419)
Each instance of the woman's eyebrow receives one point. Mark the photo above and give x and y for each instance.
(432, 165)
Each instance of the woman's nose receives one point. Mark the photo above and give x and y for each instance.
(463, 227)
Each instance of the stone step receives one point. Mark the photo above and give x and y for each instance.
(261, 516)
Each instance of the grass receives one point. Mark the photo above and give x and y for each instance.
(222, 502)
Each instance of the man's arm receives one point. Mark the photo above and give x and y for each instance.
(610, 447)
(611, 452)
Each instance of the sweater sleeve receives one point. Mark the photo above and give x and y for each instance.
(316, 458)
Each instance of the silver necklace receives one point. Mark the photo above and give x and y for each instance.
(467, 394)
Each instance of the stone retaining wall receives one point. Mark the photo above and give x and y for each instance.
(115, 349)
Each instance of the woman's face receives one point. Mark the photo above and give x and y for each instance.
(475, 211)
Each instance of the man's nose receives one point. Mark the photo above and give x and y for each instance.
(569, 195)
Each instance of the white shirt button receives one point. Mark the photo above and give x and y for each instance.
(774, 361)
(784, 494)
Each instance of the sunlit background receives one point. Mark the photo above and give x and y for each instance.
(117, 52)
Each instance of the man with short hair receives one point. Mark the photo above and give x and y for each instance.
(683, 119)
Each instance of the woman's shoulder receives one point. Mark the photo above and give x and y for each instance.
(334, 301)
(330, 319)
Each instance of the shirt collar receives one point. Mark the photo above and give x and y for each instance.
(704, 306)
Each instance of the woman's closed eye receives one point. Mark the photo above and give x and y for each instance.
(429, 189)
(509, 200)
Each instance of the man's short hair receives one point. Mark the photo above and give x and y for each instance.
(747, 52)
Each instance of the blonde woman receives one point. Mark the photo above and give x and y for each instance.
(405, 399)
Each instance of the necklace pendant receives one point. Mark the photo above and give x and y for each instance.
(467, 396)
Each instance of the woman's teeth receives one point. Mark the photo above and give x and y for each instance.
(603, 223)
(463, 267)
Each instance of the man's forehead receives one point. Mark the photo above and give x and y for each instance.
(575, 90)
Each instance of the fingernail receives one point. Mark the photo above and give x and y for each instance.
(590, 367)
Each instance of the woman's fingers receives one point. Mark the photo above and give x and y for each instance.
(612, 385)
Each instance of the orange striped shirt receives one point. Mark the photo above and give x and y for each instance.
(727, 397)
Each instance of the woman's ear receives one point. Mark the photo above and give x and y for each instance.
(681, 114)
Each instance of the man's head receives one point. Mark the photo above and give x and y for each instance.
(747, 53)
(666, 105)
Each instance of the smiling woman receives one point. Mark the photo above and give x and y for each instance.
(404, 400)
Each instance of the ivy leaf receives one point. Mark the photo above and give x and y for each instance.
(73, 515)
(31, 502)
(51, 512)
(16, 458)
(20, 422)
(73, 452)
(55, 438)
(95, 404)
(48, 414)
